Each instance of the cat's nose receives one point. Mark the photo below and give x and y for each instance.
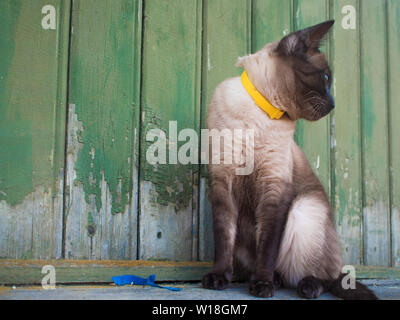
(332, 101)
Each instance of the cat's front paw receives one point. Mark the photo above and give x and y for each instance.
(215, 281)
(261, 289)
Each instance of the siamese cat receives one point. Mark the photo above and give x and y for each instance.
(277, 221)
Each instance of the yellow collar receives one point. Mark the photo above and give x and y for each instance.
(274, 113)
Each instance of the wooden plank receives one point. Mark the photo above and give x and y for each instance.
(314, 137)
(377, 272)
(374, 133)
(102, 130)
(33, 80)
(171, 92)
(393, 11)
(14, 272)
(346, 135)
(99, 271)
(232, 19)
(271, 21)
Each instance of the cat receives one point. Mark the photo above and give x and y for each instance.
(276, 222)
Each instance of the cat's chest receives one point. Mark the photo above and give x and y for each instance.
(271, 139)
(274, 154)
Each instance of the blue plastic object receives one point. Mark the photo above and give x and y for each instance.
(135, 280)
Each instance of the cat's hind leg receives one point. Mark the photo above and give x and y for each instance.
(311, 287)
(309, 252)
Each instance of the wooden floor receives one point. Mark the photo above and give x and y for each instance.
(384, 289)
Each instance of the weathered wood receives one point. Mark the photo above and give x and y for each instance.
(100, 271)
(353, 151)
(374, 133)
(13, 272)
(33, 77)
(170, 92)
(102, 130)
(393, 34)
(377, 272)
(346, 136)
(232, 21)
(271, 20)
(314, 137)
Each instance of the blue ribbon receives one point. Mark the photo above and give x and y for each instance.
(135, 280)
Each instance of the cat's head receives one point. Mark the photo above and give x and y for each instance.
(293, 74)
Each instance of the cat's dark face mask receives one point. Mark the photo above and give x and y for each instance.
(312, 97)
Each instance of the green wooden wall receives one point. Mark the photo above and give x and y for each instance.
(78, 100)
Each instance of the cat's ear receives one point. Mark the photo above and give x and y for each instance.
(242, 62)
(304, 41)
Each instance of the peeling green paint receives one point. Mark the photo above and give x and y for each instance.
(171, 79)
(101, 87)
(345, 143)
(161, 67)
(32, 101)
(374, 121)
(173, 183)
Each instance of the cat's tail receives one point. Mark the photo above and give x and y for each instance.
(360, 292)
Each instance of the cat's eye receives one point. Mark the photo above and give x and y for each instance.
(326, 77)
